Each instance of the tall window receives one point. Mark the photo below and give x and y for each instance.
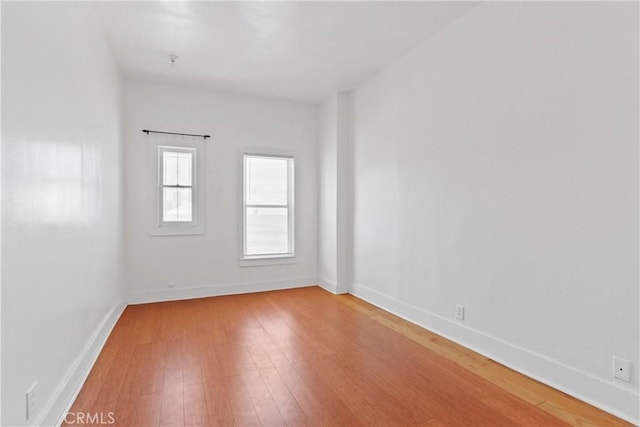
(268, 206)
(177, 176)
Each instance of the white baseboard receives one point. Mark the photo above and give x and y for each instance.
(608, 396)
(55, 409)
(331, 286)
(218, 290)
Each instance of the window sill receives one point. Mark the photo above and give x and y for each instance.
(267, 260)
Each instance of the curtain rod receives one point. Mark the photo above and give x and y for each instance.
(147, 131)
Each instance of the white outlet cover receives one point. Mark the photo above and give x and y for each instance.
(621, 369)
(459, 312)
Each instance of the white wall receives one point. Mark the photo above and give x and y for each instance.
(208, 264)
(333, 209)
(61, 213)
(496, 166)
(327, 192)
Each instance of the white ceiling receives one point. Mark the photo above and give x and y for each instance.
(300, 51)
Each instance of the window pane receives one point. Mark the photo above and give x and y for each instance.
(176, 168)
(184, 168)
(177, 205)
(266, 180)
(267, 231)
(170, 168)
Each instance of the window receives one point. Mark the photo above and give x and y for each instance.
(268, 206)
(177, 187)
(177, 166)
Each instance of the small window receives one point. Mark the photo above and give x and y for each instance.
(268, 207)
(177, 167)
(177, 187)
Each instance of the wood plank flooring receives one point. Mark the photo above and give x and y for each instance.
(304, 357)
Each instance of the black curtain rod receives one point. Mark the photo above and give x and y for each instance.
(147, 131)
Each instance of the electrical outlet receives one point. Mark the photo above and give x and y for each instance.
(621, 369)
(459, 312)
(32, 401)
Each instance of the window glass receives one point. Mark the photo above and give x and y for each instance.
(177, 204)
(266, 180)
(268, 207)
(177, 168)
(177, 190)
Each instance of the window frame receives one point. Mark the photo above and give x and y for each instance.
(156, 225)
(269, 258)
(161, 186)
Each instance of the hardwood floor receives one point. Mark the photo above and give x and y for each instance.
(304, 357)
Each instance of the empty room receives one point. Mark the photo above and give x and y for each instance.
(319, 213)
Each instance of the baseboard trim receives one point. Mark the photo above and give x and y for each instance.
(331, 286)
(218, 290)
(65, 393)
(600, 393)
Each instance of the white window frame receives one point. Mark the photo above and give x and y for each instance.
(276, 258)
(194, 202)
(158, 227)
